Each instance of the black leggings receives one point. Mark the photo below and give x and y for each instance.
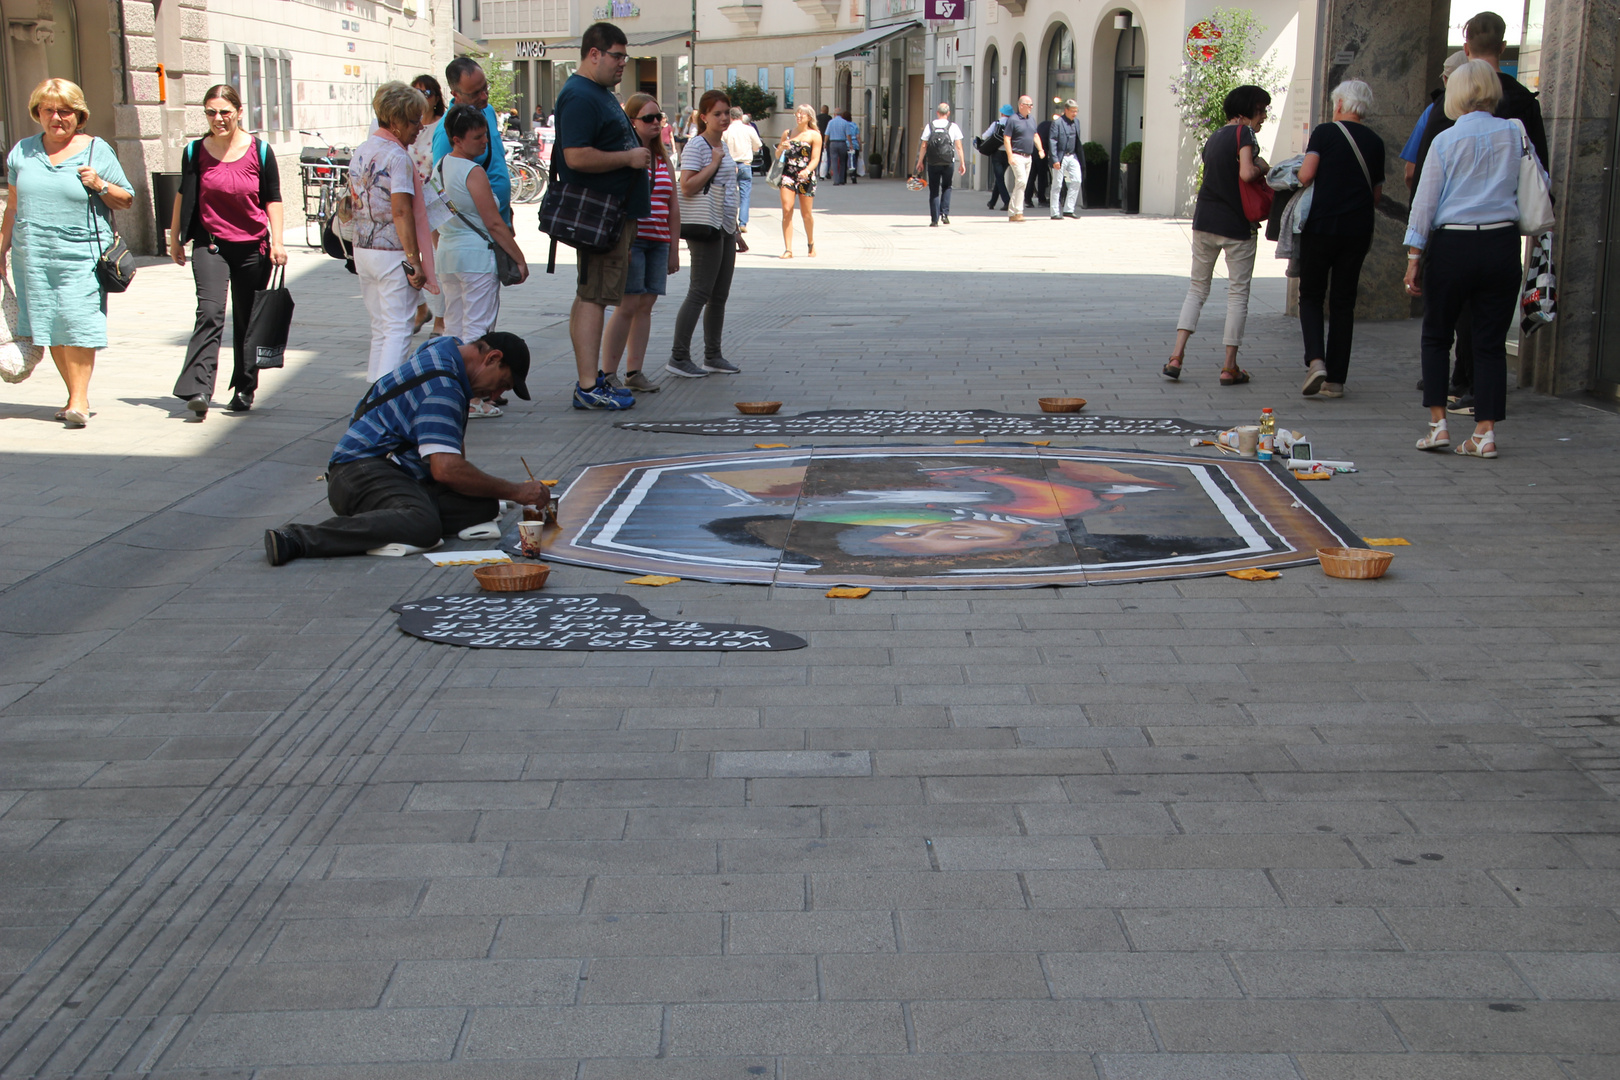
(243, 268)
(1479, 269)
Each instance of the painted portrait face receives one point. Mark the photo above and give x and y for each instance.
(953, 537)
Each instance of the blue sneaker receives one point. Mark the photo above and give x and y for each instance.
(603, 396)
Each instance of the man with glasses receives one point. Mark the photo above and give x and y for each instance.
(601, 152)
(468, 85)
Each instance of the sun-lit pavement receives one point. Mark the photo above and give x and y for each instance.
(1298, 828)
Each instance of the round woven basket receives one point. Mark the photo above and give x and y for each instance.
(1062, 404)
(1357, 563)
(512, 577)
(758, 408)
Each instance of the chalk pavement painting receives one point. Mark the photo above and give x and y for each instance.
(938, 517)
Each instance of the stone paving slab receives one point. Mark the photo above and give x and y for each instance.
(1306, 829)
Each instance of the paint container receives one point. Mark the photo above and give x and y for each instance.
(529, 537)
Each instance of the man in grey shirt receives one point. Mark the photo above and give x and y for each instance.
(1021, 141)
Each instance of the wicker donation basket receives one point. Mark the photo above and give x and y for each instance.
(512, 577)
(1356, 563)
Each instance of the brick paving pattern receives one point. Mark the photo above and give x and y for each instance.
(1306, 828)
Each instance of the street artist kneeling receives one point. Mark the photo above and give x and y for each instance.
(400, 474)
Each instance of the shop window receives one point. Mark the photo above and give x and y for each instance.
(287, 94)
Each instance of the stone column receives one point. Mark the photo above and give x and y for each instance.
(1578, 95)
(1396, 47)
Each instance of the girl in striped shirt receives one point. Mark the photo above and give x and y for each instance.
(653, 255)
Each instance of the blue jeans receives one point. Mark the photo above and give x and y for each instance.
(745, 185)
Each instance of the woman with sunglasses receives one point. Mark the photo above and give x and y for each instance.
(229, 208)
(64, 186)
(801, 156)
(654, 255)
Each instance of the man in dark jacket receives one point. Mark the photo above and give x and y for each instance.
(1484, 38)
(1063, 147)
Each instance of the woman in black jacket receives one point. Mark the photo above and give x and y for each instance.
(229, 207)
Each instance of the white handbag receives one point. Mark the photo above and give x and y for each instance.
(18, 355)
(1535, 200)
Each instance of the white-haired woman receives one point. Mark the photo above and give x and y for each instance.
(1463, 246)
(64, 187)
(392, 254)
(802, 155)
(1344, 164)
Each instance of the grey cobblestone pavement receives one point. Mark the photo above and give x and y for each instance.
(1306, 829)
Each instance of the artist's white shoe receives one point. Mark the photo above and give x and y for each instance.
(489, 530)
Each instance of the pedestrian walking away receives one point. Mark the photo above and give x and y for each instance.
(400, 474)
(941, 154)
(1021, 144)
(742, 143)
(467, 239)
(1067, 173)
(654, 254)
(601, 151)
(64, 186)
(1231, 158)
(993, 145)
(1463, 233)
(229, 209)
(802, 150)
(706, 181)
(837, 136)
(1344, 167)
(428, 305)
(391, 252)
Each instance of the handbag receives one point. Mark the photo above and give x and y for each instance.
(270, 321)
(1256, 194)
(1538, 303)
(774, 177)
(115, 266)
(586, 220)
(18, 355)
(1535, 200)
(507, 269)
(703, 214)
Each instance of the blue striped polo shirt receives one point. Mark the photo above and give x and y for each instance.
(425, 420)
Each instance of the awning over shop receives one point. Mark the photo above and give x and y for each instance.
(865, 40)
(636, 41)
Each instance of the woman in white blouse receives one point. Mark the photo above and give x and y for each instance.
(1464, 219)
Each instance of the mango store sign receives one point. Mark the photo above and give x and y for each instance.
(621, 9)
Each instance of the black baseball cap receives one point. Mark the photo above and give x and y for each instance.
(515, 355)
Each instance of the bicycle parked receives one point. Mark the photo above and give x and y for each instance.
(324, 171)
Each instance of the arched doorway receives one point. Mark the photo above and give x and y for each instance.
(1020, 72)
(1059, 70)
(992, 83)
(1130, 85)
(841, 89)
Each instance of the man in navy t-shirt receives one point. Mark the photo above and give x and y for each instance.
(600, 151)
(400, 474)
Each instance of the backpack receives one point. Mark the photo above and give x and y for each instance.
(940, 151)
(989, 144)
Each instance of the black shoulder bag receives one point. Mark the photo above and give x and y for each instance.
(115, 266)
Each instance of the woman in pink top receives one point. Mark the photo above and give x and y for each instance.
(229, 207)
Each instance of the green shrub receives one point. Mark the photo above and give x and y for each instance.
(1131, 155)
(748, 97)
(1095, 153)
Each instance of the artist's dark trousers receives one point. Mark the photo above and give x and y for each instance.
(708, 288)
(241, 269)
(1463, 269)
(1324, 258)
(838, 150)
(998, 181)
(939, 190)
(378, 503)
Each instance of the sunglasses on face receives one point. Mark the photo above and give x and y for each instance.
(221, 114)
(46, 110)
(651, 118)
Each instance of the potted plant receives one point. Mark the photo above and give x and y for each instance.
(874, 166)
(1094, 188)
(1130, 181)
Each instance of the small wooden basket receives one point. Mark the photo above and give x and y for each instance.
(1360, 564)
(758, 408)
(1062, 404)
(512, 577)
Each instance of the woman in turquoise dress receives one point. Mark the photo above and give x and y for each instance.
(64, 185)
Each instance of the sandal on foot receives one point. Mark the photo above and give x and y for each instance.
(1171, 371)
(1478, 445)
(1438, 437)
(1234, 376)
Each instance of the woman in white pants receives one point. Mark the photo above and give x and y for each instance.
(390, 224)
(466, 260)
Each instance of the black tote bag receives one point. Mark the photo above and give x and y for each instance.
(270, 322)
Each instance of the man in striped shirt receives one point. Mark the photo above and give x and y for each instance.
(400, 475)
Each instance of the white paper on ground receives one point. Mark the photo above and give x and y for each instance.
(466, 558)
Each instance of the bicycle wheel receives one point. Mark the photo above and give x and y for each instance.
(524, 182)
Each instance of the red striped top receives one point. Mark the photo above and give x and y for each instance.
(655, 226)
